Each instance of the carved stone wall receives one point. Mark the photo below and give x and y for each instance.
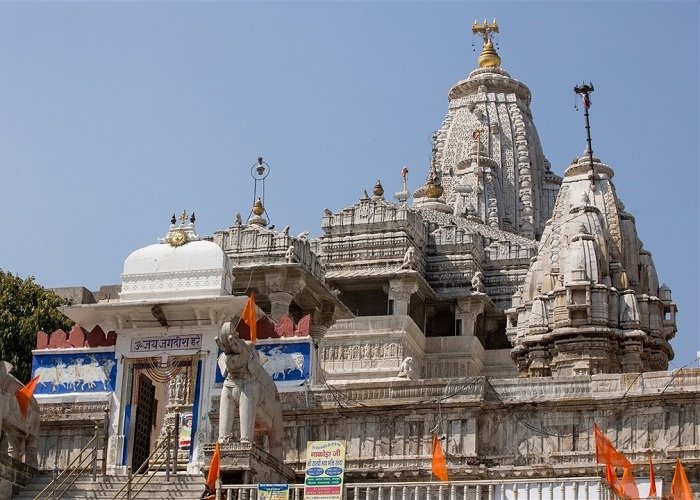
(66, 428)
(501, 428)
(370, 347)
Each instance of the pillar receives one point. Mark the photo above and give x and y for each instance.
(281, 290)
(400, 291)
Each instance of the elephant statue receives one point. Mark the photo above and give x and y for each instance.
(250, 388)
(21, 433)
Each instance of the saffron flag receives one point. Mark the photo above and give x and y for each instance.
(612, 480)
(24, 396)
(439, 465)
(680, 489)
(605, 452)
(652, 479)
(250, 316)
(629, 485)
(213, 473)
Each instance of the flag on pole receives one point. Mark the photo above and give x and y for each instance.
(612, 480)
(629, 485)
(210, 487)
(652, 479)
(605, 452)
(24, 396)
(680, 488)
(250, 317)
(439, 465)
(586, 101)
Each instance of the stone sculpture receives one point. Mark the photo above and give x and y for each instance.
(249, 388)
(478, 283)
(409, 259)
(289, 254)
(406, 369)
(21, 432)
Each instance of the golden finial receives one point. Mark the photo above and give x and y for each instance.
(183, 217)
(378, 189)
(488, 58)
(258, 208)
(433, 187)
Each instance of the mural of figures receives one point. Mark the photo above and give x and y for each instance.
(75, 372)
(287, 363)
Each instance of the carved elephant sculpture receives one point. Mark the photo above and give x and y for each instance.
(249, 388)
(21, 433)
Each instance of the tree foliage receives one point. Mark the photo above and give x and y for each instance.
(25, 309)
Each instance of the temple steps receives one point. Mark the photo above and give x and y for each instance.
(181, 486)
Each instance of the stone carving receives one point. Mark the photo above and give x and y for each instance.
(21, 432)
(176, 390)
(249, 388)
(409, 259)
(289, 254)
(406, 369)
(478, 283)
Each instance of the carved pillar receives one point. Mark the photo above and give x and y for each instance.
(467, 311)
(279, 304)
(282, 289)
(400, 291)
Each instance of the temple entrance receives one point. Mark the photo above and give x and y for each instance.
(162, 399)
(145, 413)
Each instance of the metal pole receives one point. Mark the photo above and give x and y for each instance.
(105, 441)
(94, 454)
(584, 90)
(53, 479)
(176, 439)
(168, 444)
(128, 484)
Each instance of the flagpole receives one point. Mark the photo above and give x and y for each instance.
(584, 90)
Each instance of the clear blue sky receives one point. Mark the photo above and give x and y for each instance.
(115, 115)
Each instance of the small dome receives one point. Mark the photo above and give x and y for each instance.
(166, 271)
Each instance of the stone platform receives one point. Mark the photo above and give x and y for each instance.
(247, 463)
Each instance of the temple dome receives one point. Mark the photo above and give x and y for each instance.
(180, 266)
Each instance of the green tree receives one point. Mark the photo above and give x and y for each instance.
(26, 308)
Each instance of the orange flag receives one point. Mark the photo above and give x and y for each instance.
(24, 396)
(680, 489)
(629, 485)
(605, 452)
(213, 470)
(652, 479)
(439, 465)
(250, 316)
(612, 480)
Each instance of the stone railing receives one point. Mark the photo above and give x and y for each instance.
(585, 488)
(249, 245)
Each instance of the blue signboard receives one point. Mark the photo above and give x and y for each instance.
(74, 372)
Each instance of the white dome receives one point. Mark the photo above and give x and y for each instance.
(164, 271)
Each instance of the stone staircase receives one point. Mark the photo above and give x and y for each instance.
(182, 486)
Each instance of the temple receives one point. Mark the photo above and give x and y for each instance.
(500, 305)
